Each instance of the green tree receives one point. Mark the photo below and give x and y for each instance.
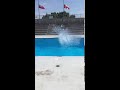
(72, 16)
(58, 15)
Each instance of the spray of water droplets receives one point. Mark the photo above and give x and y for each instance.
(64, 38)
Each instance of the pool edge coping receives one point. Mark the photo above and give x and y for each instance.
(55, 36)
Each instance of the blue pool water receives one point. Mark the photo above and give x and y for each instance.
(52, 47)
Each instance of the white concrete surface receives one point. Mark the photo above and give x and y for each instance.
(69, 76)
(55, 36)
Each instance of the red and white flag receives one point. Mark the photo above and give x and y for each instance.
(41, 7)
(65, 6)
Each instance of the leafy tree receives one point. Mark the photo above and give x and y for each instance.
(58, 15)
(72, 16)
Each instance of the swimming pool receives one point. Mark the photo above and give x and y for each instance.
(52, 47)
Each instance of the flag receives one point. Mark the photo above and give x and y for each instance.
(65, 6)
(42, 7)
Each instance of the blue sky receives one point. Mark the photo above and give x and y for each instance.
(76, 6)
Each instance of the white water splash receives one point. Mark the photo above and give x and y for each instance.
(64, 38)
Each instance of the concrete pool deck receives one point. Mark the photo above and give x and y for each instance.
(67, 75)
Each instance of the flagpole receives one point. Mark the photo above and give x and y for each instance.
(63, 10)
(38, 10)
(63, 6)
